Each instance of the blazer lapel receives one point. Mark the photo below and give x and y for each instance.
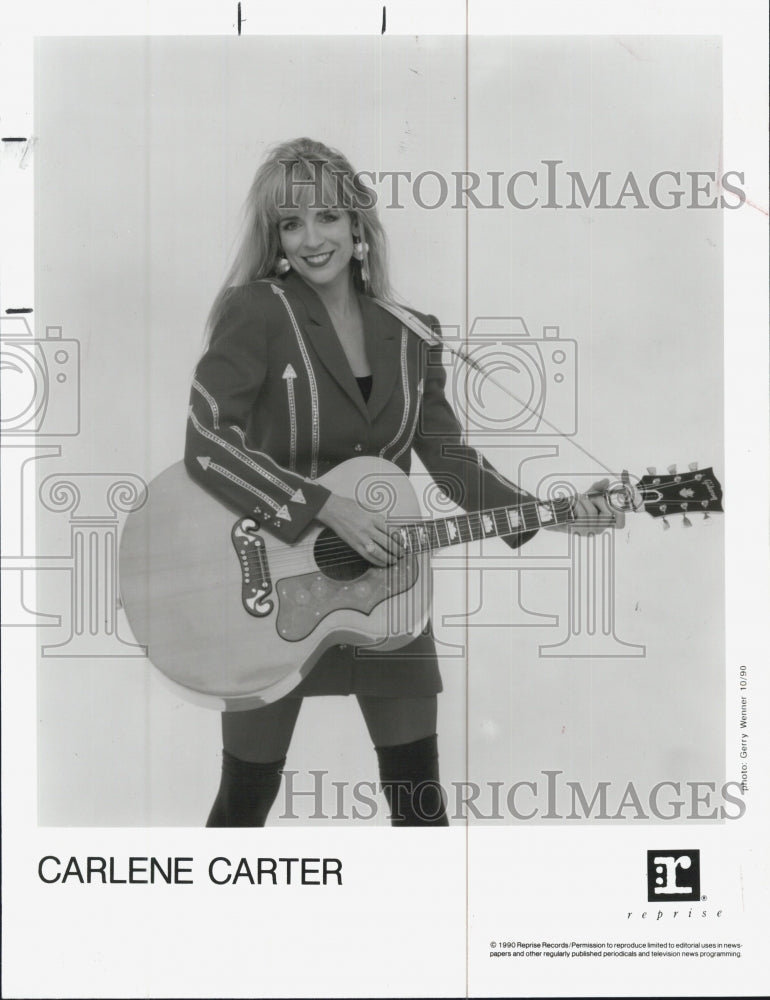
(325, 341)
(382, 333)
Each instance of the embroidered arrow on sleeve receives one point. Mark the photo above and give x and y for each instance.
(281, 512)
(241, 455)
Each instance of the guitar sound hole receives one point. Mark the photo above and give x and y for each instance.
(336, 559)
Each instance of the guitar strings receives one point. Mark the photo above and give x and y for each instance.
(346, 555)
(336, 546)
(330, 545)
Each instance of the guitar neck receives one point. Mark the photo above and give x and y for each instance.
(422, 536)
(695, 491)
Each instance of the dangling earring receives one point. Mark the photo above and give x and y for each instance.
(282, 266)
(360, 250)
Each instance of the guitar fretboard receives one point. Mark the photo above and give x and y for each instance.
(422, 536)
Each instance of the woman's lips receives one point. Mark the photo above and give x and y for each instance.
(318, 259)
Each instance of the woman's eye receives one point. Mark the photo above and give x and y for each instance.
(289, 224)
(330, 216)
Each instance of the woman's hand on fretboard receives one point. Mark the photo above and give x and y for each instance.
(592, 512)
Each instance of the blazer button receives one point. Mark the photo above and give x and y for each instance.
(358, 447)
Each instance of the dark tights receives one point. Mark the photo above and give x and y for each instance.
(403, 731)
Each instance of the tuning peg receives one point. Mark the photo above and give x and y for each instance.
(666, 525)
(672, 469)
(651, 469)
(686, 522)
(692, 466)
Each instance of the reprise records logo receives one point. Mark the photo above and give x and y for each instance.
(673, 876)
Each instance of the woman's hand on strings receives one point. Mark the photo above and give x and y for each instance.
(592, 512)
(361, 529)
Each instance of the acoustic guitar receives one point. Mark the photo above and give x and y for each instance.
(235, 618)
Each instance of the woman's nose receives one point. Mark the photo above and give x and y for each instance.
(313, 236)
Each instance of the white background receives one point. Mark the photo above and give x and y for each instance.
(156, 164)
(466, 890)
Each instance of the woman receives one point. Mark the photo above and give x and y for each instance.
(303, 371)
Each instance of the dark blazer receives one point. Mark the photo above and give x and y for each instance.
(274, 405)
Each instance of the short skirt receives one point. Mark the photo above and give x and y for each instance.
(409, 672)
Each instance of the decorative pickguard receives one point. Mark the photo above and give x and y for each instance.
(255, 575)
(304, 601)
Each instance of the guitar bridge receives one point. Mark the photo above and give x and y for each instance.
(256, 584)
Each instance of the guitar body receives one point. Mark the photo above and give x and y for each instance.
(235, 618)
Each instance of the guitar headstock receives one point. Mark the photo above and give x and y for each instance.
(691, 492)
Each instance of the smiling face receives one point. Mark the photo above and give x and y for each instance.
(318, 243)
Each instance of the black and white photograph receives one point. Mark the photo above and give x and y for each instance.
(383, 435)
